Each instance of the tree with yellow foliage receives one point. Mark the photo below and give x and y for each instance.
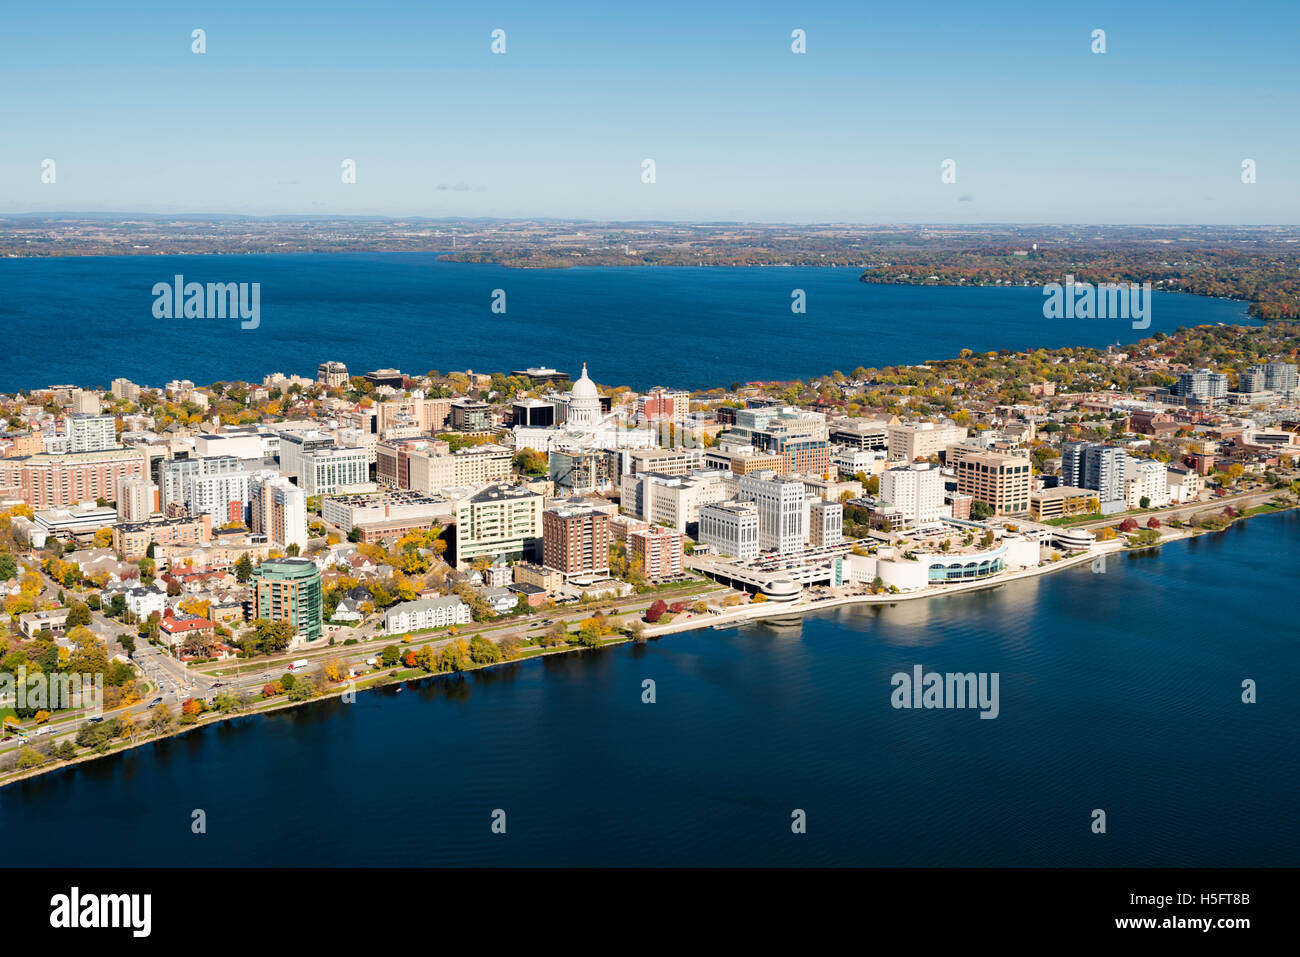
(454, 656)
(195, 606)
(16, 605)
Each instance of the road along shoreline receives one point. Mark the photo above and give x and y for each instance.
(735, 618)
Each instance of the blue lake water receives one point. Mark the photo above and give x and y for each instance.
(89, 320)
(1119, 691)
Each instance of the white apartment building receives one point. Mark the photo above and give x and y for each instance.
(125, 389)
(850, 462)
(481, 464)
(500, 522)
(143, 600)
(782, 510)
(91, 433)
(278, 509)
(730, 528)
(1184, 484)
(426, 613)
(222, 495)
(431, 470)
(916, 490)
(175, 472)
(137, 498)
(241, 445)
(1144, 478)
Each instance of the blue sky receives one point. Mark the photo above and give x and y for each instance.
(740, 128)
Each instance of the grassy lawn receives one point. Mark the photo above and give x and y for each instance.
(1077, 519)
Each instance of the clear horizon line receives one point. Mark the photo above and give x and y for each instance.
(273, 217)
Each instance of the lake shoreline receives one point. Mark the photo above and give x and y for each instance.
(750, 613)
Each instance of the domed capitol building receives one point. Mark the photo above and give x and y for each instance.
(584, 403)
(585, 426)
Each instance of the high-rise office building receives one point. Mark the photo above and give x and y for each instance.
(730, 528)
(1002, 482)
(825, 523)
(782, 511)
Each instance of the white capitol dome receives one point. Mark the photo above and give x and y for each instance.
(584, 402)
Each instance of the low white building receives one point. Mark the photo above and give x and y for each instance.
(850, 462)
(143, 600)
(84, 518)
(426, 613)
(1184, 484)
(925, 569)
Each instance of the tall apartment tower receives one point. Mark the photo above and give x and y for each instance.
(278, 509)
(289, 589)
(331, 375)
(91, 433)
(1094, 465)
(575, 540)
(85, 402)
(137, 498)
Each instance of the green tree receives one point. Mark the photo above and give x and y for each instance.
(244, 568)
(482, 651)
(302, 690)
(30, 758)
(268, 637)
